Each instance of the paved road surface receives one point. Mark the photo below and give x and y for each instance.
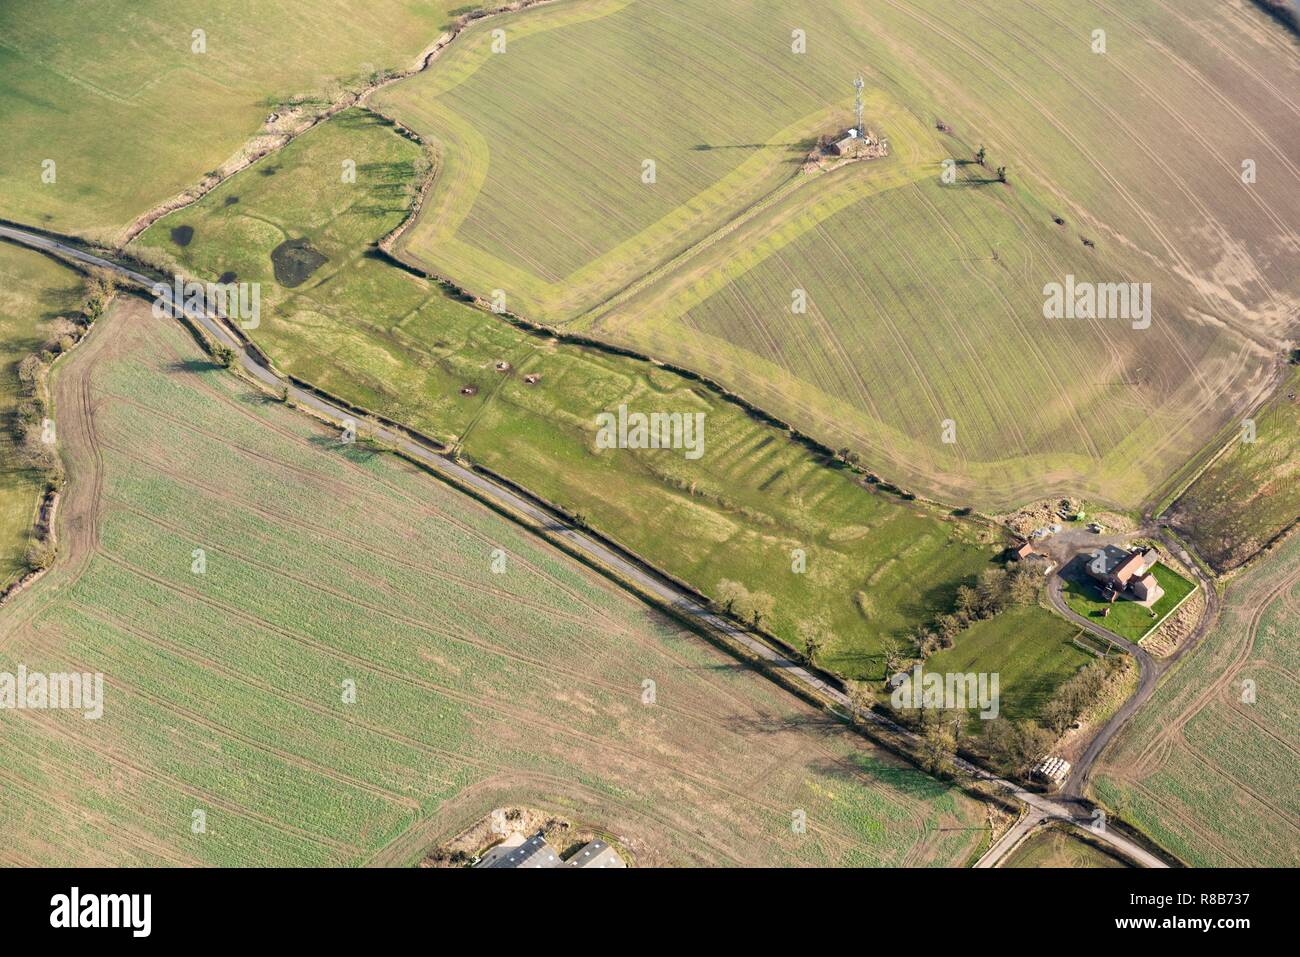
(1002, 847)
(1149, 669)
(1147, 675)
(624, 565)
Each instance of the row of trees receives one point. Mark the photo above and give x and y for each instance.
(735, 599)
(980, 158)
(1013, 746)
(33, 448)
(994, 591)
(1076, 696)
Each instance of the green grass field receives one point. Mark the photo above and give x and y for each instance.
(34, 290)
(1250, 494)
(1030, 648)
(1060, 847)
(328, 564)
(140, 116)
(1208, 766)
(876, 564)
(926, 299)
(1128, 619)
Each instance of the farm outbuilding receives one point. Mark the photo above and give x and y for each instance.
(515, 852)
(851, 140)
(595, 854)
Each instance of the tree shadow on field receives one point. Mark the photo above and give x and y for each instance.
(357, 451)
(192, 365)
(768, 725)
(860, 663)
(867, 767)
(937, 599)
(800, 147)
(256, 397)
(388, 171)
(1283, 11)
(702, 147)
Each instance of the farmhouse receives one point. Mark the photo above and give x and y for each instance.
(1120, 571)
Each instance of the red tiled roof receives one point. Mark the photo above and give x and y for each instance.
(1126, 569)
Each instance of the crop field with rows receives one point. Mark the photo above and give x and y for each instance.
(326, 567)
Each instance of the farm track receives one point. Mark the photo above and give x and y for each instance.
(1150, 670)
(310, 584)
(79, 437)
(596, 311)
(393, 81)
(1169, 739)
(418, 506)
(75, 414)
(87, 414)
(370, 479)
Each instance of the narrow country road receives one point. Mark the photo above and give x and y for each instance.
(624, 566)
(1015, 834)
(1147, 675)
(1148, 668)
